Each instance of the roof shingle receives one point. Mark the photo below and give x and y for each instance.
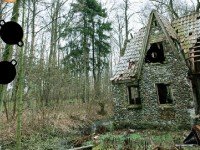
(132, 54)
(185, 29)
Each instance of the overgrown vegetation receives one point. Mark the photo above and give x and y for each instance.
(62, 85)
(50, 127)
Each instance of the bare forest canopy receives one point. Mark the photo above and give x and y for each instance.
(70, 49)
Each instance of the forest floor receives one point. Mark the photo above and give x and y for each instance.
(47, 127)
(65, 126)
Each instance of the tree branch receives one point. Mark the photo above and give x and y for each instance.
(198, 6)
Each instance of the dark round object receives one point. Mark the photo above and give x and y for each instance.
(11, 33)
(8, 71)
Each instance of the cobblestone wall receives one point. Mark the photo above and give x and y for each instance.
(172, 72)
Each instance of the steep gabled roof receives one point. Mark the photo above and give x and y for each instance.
(167, 25)
(127, 66)
(188, 30)
(136, 49)
(168, 32)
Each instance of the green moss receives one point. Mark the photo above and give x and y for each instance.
(135, 136)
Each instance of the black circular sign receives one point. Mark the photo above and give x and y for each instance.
(8, 71)
(11, 33)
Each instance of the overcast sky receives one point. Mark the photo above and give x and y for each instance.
(135, 22)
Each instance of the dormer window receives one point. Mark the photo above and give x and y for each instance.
(155, 54)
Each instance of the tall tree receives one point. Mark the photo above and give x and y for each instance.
(8, 51)
(85, 8)
(90, 12)
(102, 52)
(20, 91)
(126, 22)
(122, 27)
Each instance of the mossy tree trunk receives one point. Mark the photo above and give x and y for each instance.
(8, 51)
(19, 102)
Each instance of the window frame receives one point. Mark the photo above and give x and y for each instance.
(169, 94)
(133, 100)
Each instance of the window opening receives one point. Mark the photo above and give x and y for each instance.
(131, 64)
(155, 23)
(133, 93)
(155, 54)
(164, 94)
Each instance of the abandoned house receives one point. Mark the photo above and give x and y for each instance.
(150, 82)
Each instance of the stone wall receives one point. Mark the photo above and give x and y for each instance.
(173, 72)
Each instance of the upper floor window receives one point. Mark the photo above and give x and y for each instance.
(155, 53)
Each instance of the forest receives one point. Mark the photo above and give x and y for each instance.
(62, 96)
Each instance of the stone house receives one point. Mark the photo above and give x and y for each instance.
(150, 83)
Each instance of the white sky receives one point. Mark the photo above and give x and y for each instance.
(110, 4)
(135, 22)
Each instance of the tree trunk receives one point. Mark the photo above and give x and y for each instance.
(95, 84)
(20, 92)
(9, 48)
(86, 64)
(123, 48)
(198, 6)
(32, 32)
(14, 97)
(171, 9)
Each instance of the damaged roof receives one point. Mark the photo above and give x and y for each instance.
(185, 30)
(127, 66)
(188, 30)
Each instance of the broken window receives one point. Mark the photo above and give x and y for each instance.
(164, 94)
(155, 53)
(133, 93)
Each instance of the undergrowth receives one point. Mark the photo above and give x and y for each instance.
(50, 127)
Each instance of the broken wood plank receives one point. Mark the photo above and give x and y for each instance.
(186, 145)
(194, 56)
(88, 147)
(194, 51)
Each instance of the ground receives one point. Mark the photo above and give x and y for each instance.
(61, 128)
